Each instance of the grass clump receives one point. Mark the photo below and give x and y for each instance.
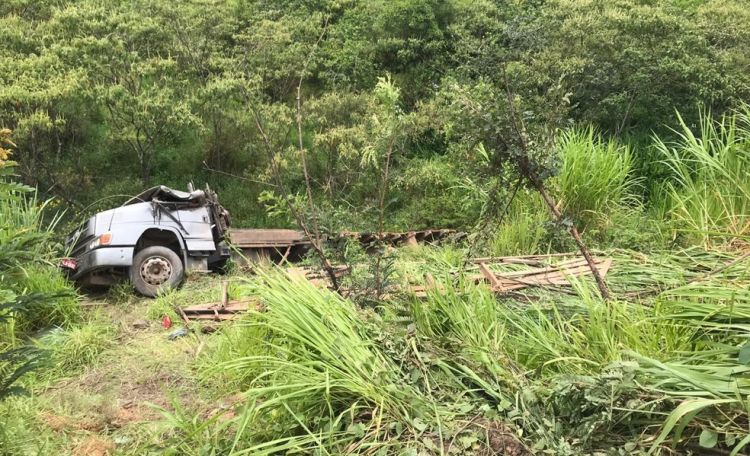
(710, 192)
(523, 229)
(60, 309)
(76, 347)
(317, 374)
(595, 178)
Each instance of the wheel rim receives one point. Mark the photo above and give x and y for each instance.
(156, 270)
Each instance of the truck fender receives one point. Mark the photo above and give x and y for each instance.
(156, 228)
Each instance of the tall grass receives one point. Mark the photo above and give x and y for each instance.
(660, 374)
(595, 186)
(524, 227)
(596, 176)
(710, 194)
(33, 293)
(317, 373)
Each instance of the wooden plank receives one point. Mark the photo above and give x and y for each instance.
(549, 276)
(266, 238)
(489, 275)
(550, 268)
(231, 306)
(504, 259)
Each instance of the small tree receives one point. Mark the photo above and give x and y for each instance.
(146, 110)
(385, 131)
(520, 140)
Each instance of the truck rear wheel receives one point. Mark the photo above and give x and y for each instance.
(156, 269)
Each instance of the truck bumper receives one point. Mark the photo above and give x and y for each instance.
(103, 257)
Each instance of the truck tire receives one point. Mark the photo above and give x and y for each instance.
(156, 269)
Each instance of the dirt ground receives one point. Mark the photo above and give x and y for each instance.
(112, 405)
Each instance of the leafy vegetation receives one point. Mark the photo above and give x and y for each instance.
(106, 98)
(710, 190)
(32, 294)
(624, 122)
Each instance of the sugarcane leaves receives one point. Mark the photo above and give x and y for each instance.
(744, 355)
(16, 363)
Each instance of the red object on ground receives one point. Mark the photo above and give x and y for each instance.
(166, 322)
(69, 263)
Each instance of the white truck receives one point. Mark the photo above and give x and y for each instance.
(158, 235)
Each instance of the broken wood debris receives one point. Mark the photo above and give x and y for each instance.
(540, 273)
(228, 309)
(217, 311)
(540, 276)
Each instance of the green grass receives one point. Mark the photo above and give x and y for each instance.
(710, 193)
(78, 346)
(523, 229)
(315, 369)
(595, 178)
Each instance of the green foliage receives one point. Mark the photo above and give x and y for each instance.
(32, 292)
(572, 370)
(523, 229)
(78, 346)
(630, 64)
(595, 179)
(59, 309)
(108, 97)
(710, 191)
(311, 370)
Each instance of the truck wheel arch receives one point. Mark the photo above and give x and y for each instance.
(165, 237)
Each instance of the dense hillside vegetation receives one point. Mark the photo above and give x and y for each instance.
(518, 122)
(106, 97)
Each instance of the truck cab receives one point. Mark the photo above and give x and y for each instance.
(153, 238)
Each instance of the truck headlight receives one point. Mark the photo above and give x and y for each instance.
(103, 239)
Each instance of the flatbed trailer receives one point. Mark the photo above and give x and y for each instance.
(281, 245)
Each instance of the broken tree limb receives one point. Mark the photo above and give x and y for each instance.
(527, 170)
(603, 290)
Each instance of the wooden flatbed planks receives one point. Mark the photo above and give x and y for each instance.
(252, 238)
(276, 238)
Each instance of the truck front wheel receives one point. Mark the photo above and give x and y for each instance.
(155, 269)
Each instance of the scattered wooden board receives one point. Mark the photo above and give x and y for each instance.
(547, 276)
